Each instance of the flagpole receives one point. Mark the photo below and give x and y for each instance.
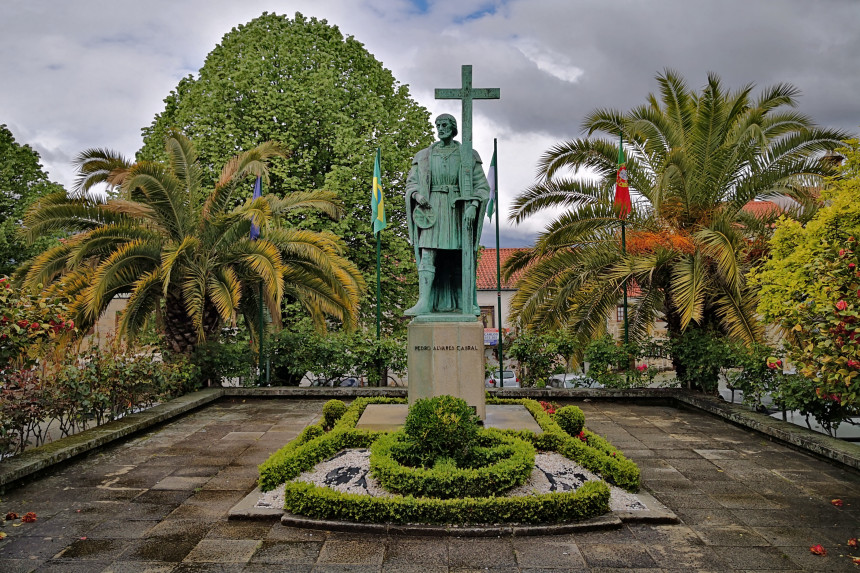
(260, 357)
(378, 286)
(499, 274)
(624, 250)
(255, 235)
(378, 272)
(378, 233)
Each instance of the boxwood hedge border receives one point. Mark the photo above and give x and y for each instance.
(513, 469)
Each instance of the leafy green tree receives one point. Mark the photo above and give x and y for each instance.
(541, 355)
(334, 356)
(695, 160)
(22, 181)
(299, 81)
(811, 287)
(184, 252)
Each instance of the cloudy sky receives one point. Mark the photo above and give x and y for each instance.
(89, 73)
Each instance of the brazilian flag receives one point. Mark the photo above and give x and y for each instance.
(377, 203)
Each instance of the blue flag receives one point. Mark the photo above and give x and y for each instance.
(258, 192)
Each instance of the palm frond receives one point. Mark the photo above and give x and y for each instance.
(565, 192)
(225, 292)
(326, 202)
(96, 166)
(144, 300)
(119, 272)
(688, 288)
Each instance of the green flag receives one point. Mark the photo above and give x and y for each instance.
(491, 179)
(376, 202)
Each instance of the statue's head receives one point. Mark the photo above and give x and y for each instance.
(445, 123)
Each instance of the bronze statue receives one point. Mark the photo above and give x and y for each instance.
(446, 197)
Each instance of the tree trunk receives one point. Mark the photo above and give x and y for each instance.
(674, 331)
(180, 334)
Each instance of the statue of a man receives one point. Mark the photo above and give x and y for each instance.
(445, 215)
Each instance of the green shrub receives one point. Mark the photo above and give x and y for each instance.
(571, 419)
(498, 463)
(224, 360)
(590, 500)
(332, 412)
(443, 426)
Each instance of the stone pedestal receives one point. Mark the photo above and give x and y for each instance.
(447, 358)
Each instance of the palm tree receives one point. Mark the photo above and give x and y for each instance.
(185, 253)
(694, 160)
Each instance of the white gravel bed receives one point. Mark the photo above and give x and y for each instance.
(349, 472)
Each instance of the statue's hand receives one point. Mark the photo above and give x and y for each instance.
(421, 199)
(471, 211)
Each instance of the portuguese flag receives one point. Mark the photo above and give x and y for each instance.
(622, 202)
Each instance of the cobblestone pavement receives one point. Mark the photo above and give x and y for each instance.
(158, 502)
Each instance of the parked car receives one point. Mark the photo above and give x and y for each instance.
(510, 379)
(573, 380)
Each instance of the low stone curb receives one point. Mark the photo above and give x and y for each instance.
(37, 459)
(656, 514)
(316, 392)
(608, 521)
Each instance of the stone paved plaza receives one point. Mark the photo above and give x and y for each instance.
(159, 501)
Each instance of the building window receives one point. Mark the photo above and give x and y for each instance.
(619, 314)
(488, 316)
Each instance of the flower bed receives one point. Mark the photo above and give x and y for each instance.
(314, 445)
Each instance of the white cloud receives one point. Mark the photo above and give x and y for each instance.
(549, 61)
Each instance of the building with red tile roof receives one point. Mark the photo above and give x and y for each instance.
(762, 208)
(487, 277)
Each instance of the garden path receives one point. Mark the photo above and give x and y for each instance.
(159, 501)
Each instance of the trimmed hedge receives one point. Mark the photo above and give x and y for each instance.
(332, 411)
(590, 500)
(314, 444)
(595, 454)
(512, 462)
(571, 419)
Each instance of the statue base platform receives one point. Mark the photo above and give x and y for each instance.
(390, 417)
(447, 358)
(444, 317)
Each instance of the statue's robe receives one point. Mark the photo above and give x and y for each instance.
(436, 175)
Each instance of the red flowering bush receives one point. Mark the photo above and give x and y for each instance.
(84, 389)
(826, 329)
(548, 407)
(811, 288)
(29, 325)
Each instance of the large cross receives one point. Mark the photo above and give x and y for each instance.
(467, 93)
